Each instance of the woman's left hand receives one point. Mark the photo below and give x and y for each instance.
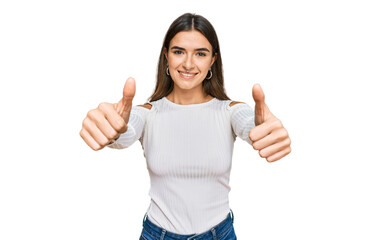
(268, 136)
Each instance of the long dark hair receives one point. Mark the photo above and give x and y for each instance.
(213, 86)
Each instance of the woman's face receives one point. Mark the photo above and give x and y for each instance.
(189, 57)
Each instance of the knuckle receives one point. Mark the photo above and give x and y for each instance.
(112, 135)
(96, 148)
(282, 136)
(102, 106)
(271, 160)
(106, 142)
(261, 153)
(288, 141)
(85, 122)
(289, 150)
(277, 123)
(284, 132)
(106, 107)
(102, 141)
(251, 136)
(92, 113)
(124, 128)
(82, 134)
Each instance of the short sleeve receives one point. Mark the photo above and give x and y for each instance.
(242, 118)
(135, 129)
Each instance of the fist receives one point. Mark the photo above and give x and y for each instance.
(109, 120)
(269, 136)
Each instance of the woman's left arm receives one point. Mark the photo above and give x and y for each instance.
(268, 136)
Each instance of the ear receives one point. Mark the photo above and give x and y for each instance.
(214, 59)
(165, 53)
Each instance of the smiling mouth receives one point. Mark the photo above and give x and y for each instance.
(187, 75)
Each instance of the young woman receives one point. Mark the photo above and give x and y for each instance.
(187, 130)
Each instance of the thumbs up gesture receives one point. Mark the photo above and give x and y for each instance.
(108, 121)
(268, 136)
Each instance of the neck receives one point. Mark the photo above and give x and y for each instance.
(186, 99)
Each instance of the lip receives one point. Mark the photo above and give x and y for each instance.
(189, 76)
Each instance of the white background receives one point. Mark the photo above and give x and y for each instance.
(60, 59)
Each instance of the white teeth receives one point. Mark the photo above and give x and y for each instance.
(187, 75)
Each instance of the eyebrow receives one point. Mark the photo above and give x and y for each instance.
(197, 49)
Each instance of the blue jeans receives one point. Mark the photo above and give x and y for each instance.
(222, 231)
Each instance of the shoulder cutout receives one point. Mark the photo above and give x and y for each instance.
(234, 103)
(147, 105)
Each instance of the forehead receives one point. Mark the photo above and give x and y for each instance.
(190, 40)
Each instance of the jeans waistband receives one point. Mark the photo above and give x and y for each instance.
(214, 232)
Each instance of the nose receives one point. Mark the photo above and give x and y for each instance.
(188, 63)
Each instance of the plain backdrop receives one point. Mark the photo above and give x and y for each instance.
(60, 59)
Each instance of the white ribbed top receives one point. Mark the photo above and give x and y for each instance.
(188, 149)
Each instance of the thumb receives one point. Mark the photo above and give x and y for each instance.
(262, 112)
(123, 107)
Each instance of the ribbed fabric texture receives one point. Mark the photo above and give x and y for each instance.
(188, 149)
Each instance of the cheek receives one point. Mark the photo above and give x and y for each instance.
(204, 65)
(174, 62)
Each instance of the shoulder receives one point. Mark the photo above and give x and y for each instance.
(234, 103)
(147, 105)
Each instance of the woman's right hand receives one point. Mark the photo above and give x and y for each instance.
(108, 121)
